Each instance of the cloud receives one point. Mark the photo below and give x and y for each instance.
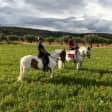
(74, 16)
(106, 3)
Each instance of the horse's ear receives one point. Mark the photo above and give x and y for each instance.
(89, 48)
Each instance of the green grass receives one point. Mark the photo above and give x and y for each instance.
(89, 90)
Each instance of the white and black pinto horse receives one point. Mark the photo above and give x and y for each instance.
(29, 61)
(78, 57)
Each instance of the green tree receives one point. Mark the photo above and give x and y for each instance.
(2, 37)
(12, 37)
(91, 39)
(29, 38)
(50, 40)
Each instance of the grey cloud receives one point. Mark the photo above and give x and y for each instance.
(105, 3)
(51, 4)
(58, 7)
(98, 25)
(69, 10)
(71, 24)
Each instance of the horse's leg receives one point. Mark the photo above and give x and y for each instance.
(60, 64)
(63, 65)
(77, 66)
(81, 63)
(52, 72)
(22, 72)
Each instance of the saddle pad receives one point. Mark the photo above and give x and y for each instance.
(70, 55)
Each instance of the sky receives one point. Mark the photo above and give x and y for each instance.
(75, 16)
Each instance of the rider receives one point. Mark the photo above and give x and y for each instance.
(42, 53)
(72, 45)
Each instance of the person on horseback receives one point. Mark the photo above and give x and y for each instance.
(43, 54)
(72, 45)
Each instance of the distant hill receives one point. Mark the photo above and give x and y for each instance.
(23, 31)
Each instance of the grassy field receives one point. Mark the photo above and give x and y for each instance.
(89, 90)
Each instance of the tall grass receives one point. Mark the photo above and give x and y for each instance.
(89, 90)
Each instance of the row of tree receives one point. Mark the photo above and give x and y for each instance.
(91, 38)
(10, 34)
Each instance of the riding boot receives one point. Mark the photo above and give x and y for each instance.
(45, 60)
(46, 63)
(44, 67)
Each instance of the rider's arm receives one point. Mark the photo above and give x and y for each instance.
(43, 50)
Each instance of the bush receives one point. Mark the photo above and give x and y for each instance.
(29, 38)
(12, 37)
(96, 39)
(50, 40)
(2, 37)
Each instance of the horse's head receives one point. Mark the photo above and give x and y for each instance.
(88, 52)
(85, 51)
(62, 55)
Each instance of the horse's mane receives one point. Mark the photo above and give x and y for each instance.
(55, 52)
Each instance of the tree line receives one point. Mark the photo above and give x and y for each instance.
(10, 34)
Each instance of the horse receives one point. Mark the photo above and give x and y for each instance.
(29, 61)
(76, 55)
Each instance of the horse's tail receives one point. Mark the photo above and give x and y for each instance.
(21, 68)
(20, 72)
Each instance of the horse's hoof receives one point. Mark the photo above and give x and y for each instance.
(19, 79)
